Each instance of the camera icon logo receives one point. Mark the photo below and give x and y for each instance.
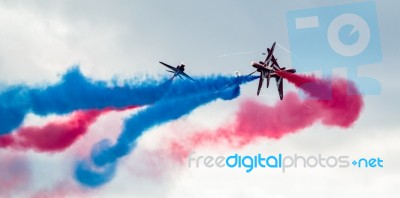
(338, 36)
(325, 38)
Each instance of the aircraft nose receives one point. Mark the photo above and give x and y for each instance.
(253, 63)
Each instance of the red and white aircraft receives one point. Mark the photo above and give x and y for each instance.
(267, 70)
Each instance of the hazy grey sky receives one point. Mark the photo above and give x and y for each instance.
(41, 39)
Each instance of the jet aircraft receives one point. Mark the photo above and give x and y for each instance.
(177, 71)
(268, 68)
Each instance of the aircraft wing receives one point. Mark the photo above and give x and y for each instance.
(187, 76)
(260, 82)
(275, 63)
(268, 77)
(169, 66)
(270, 53)
(279, 83)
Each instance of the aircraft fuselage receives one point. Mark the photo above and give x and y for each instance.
(261, 67)
(180, 68)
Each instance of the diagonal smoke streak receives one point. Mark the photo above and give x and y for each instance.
(167, 100)
(180, 100)
(255, 120)
(329, 102)
(56, 135)
(74, 92)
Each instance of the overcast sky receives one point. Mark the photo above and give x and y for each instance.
(39, 40)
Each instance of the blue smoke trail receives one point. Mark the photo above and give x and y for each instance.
(74, 92)
(182, 98)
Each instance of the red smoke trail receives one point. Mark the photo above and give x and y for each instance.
(255, 120)
(340, 98)
(54, 136)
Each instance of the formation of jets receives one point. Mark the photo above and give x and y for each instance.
(266, 68)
